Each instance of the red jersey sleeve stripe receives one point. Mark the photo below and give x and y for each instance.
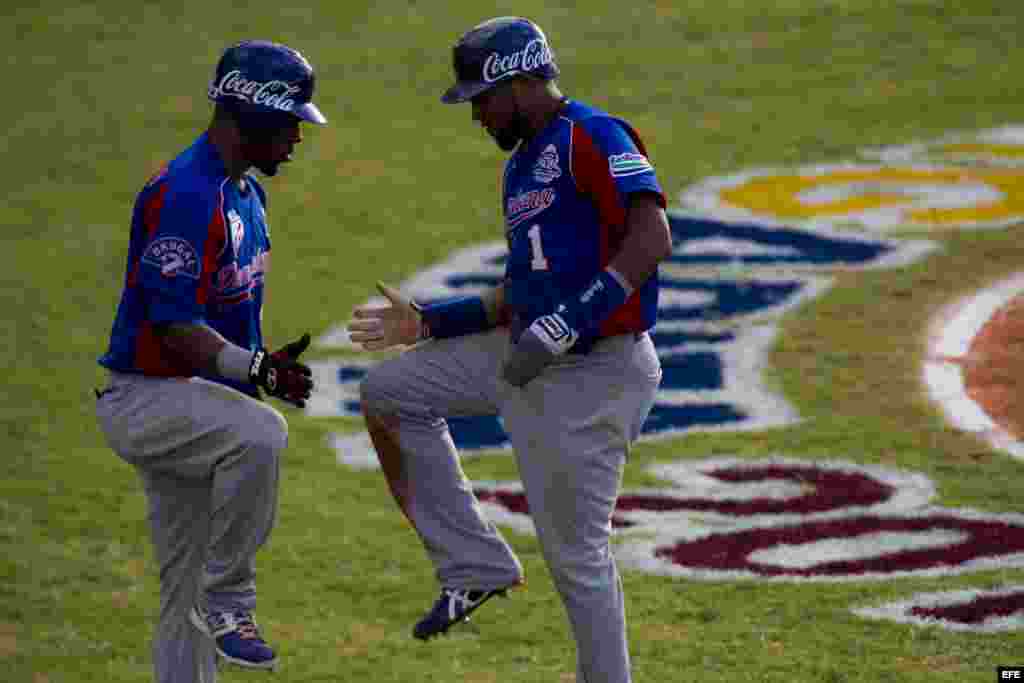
(216, 240)
(150, 355)
(594, 178)
(150, 222)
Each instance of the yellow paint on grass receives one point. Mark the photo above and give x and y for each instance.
(860, 190)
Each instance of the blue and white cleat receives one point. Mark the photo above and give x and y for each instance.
(454, 605)
(237, 637)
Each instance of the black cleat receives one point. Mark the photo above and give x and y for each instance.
(453, 606)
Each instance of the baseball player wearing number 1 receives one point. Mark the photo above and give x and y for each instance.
(187, 363)
(560, 350)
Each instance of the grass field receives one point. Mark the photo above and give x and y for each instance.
(102, 93)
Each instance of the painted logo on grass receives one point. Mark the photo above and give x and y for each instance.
(972, 370)
(999, 147)
(961, 180)
(877, 198)
(727, 284)
(722, 292)
(790, 520)
(980, 611)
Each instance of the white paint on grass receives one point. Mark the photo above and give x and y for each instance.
(950, 339)
(1003, 147)
(902, 611)
(857, 548)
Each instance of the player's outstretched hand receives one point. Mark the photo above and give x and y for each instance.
(544, 340)
(280, 373)
(381, 327)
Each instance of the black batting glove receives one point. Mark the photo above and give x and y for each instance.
(281, 375)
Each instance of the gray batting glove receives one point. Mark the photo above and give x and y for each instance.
(546, 339)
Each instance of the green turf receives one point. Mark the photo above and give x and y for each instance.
(98, 95)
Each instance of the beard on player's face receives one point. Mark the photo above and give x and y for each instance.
(498, 111)
(267, 147)
(268, 168)
(510, 135)
(260, 158)
(267, 157)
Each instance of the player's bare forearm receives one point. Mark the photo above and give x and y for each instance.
(194, 344)
(648, 240)
(494, 304)
(206, 352)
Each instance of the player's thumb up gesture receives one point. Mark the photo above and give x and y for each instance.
(378, 327)
(281, 374)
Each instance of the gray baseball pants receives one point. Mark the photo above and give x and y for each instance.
(571, 429)
(207, 456)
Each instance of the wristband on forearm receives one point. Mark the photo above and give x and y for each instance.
(586, 311)
(454, 318)
(234, 362)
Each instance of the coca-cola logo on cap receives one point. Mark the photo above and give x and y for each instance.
(533, 56)
(271, 94)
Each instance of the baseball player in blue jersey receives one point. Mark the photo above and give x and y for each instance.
(560, 350)
(187, 363)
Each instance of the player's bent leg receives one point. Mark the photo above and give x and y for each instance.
(405, 400)
(423, 470)
(244, 499)
(249, 441)
(203, 432)
(383, 431)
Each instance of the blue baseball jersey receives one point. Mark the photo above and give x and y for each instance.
(565, 195)
(197, 253)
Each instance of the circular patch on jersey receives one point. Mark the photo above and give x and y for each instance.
(867, 197)
(173, 256)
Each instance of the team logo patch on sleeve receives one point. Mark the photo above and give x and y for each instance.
(628, 164)
(546, 168)
(173, 256)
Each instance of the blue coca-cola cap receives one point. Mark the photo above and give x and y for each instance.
(496, 50)
(259, 77)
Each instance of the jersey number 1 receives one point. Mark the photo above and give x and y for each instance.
(536, 249)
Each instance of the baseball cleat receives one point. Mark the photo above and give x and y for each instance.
(236, 636)
(454, 605)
